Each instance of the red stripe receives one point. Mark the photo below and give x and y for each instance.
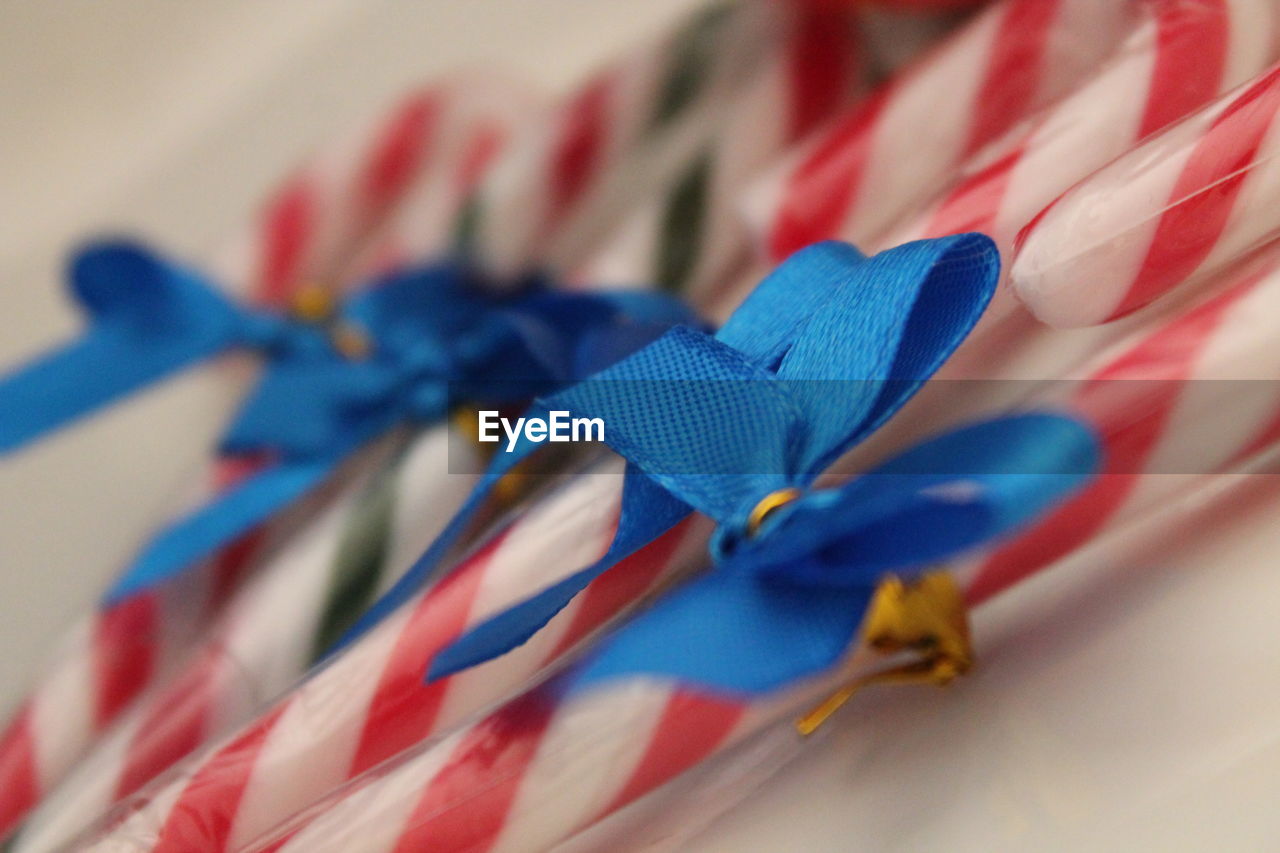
(287, 229)
(1191, 60)
(400, 151)
(692, 727)
(232, 561)
(1205, 194)
(123, 654)
(202, 819)
(1266, 437)
(279, 843)
(974, 203)
(483, 146)
(1014, 71)
(467, 802)
(620, 586)
(1162, 362)
(404, 708)
(820, 68)
(822, 188)
(19, 782)
(577, 152)
(176, 723)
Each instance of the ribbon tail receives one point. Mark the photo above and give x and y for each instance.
(516, 625)
(734, 634)
(147, 319)
(218, 523)
(80, 378)
(428, 565)
(647, 512)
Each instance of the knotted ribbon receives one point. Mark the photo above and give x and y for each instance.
(822, 353)
(393, 353)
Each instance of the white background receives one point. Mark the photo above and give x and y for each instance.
(1128, 700)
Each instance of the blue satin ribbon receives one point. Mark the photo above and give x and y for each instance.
(823, 352)
(432, 334)
(787, 603)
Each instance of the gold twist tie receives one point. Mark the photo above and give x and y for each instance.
(768, 505)
(927, 616)
(351, 341)
(511, 486)
(313, 303)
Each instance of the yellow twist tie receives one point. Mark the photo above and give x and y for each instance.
(313, 303)
(768, 505)
(927, 616)
(511, 486)
(351, 341)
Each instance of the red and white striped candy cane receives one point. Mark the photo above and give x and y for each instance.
(1200, 195)
(273, 629)
(307, 231)
(370, 703)
(1180, 56)
(167, 728)
(798, 48)
(687, 237)
(1184, 402)
(542, 767)
(274, 625)
(891, 153)
(653, 109)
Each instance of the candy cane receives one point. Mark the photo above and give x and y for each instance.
(1200, 195)
(1180, 57)
(273, 629)
(647, 733)
(654, 109)
(370, 703)
(538, 769)
(853, 180)
(688, 238)
(307, 232)
(797, 48)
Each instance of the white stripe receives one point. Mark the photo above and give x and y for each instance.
(552, 540)
(931, 121)
(63, 706)
(81, 796)
(585, 758)
(1252, 31)
(311, 746)
(372, 817)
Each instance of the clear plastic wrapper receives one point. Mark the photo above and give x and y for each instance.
(643, 118)
(546, 765)
(415, 768)
(1195, 197)
(791, 36)
(317, 227)
(851, 180)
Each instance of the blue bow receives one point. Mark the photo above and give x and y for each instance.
(823, 352)
(393, 353)
(787, 603)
